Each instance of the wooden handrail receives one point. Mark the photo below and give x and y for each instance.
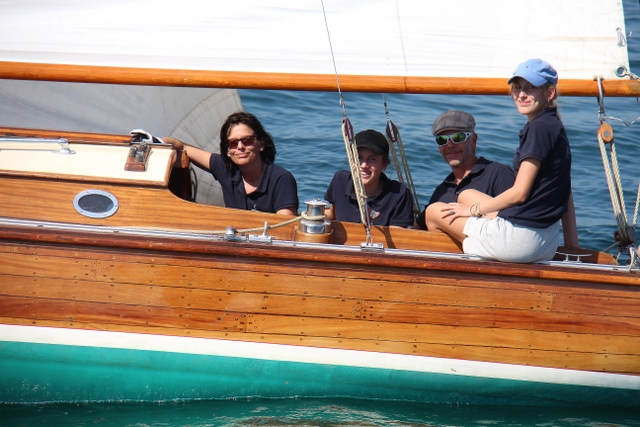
(77, 137)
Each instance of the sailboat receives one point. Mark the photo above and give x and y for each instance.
(105, 296)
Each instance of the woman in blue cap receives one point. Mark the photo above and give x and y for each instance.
(390, 201)
(522, 224)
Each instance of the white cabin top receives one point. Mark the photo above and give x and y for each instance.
(89, 162)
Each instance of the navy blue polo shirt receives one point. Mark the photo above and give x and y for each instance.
(490, 178)
(277, 189)
(544, 139)
(392, 206)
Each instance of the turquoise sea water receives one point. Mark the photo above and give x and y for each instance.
(306, 128)
(311, 413)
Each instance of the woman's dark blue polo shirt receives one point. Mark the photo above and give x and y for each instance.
(277, 189)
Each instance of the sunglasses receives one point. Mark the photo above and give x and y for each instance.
(246, 141)
(456, 138)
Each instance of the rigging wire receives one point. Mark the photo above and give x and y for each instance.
(621, 71)
(351, 148)
(625, 237)
(403, 171)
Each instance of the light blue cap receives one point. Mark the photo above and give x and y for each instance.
(536, 71)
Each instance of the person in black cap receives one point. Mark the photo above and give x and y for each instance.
(454, 132)
(522, 224)
(390, 201)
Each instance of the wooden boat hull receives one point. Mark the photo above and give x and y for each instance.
(140, 320)
(148, 304)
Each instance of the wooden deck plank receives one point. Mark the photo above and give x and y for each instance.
(411, 276)
(443, 334)
(329, 325)
(104, 314)
(171, 297)
(603, 304)
(294, 281)
(507, 309)
(501, 318)
(47, 266)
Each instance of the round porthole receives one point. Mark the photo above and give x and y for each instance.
(95, 204)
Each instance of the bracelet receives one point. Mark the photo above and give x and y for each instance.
(474, 210)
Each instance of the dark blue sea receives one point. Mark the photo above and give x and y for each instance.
(306, 128)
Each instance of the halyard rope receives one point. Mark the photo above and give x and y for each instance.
(615, 186)
(626, 234)
(354, 166)
(403, 172)
(351, 148)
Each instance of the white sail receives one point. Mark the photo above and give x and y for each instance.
(453, 38)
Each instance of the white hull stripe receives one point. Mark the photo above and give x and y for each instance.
(322, 356)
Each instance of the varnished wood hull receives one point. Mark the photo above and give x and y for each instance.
(138, 306)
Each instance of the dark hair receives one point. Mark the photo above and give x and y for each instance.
(268, 155)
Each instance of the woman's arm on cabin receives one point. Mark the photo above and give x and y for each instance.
(198, 156)
(569, 225)
(287, 211)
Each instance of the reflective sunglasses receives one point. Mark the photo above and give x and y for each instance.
(246, 141)
(456, 138)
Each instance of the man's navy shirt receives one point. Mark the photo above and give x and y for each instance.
(490, 178)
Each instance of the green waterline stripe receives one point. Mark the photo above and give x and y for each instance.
(320, 356)
(37, 373)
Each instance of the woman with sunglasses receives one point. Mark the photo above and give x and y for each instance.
(390, 202)
(521, 224)
(244, 168)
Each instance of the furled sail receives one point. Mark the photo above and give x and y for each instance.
(457, 46)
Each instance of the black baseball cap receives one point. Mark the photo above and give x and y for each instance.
(374, 141)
